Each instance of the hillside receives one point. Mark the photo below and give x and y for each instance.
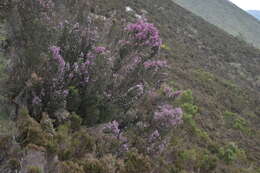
(255, 13)
(219, 76)
(226, 16)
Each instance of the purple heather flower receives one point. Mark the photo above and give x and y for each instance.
(154, 136)
(100, 49)
(168, 116)
(56, 56)
(161, 147)
(170, 93)
(125, 147)
(113, 126)
(65, 93)
(144, 33)
(91, 55)
(36, 100)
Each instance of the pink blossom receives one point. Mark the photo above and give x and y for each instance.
(125, 147)
(113, 127)
(168, 116)
(100, 49)
(170, 93)
(56, 56)
(154, 136)
(36, 100)
(91, 55)
(144, 33)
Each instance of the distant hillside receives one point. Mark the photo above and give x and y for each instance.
(255, 13)
(226, 16)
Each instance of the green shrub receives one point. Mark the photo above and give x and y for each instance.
(240, 123)
(190, 154)
(186, 97)
(229, 114)
(196, 158)
(189, 108)
(29, 130)
(202, 134)
(208, 162)
(93, 166)
(65, 154)
(14, 164)
(75, 121)
(70, 167)
(233, 120)
(34, 169)
(230, 153)
(137, 163)
(82, 143)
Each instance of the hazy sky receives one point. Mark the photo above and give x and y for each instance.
(247, 4)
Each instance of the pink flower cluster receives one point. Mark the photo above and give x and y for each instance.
(155, 64)
(36, 100)
(170, 93)
(57, 57)
(113, 127)
(167, 116)
(144, 33)
(154, 136)
(100, 49)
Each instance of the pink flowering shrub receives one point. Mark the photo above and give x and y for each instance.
(113, 127)
(78, 71)
(170, 93)
(167, 116)
(69, 64)
(144, 33)
(101, 82)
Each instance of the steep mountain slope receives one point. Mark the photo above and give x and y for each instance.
(255, 13)
(223, 73)
(226, 16)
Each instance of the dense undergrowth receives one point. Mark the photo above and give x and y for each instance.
(93, 88)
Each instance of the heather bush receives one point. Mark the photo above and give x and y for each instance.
(73, 68)
(68, 74)
(72, 62)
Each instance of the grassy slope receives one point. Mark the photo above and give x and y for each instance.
(226, 16)
(221, 71)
